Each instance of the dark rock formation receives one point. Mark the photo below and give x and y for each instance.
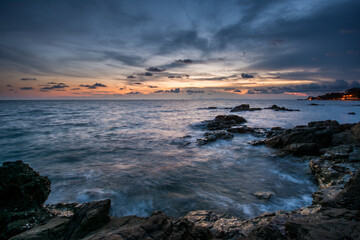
(308, 140)
(156, 227)
(244, 107)
(21, 187)
(351, 113)
(224, 121)
(213, 136)
(277, 108)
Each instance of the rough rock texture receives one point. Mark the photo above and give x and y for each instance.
(21, 187)
(213, 136)
(156, 227)
(222, 122)
(310, 139)
(244, 107)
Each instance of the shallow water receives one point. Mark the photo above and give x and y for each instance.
(133, 152)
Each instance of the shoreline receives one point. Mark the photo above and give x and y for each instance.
(334, 158)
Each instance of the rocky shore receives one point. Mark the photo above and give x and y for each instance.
(333, 152)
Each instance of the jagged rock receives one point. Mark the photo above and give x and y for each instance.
(21, 187)
(242, 129)
(156, 227)
(264, 195)
(277, 108)
(244, 107)
(224, 121)
(213, 136)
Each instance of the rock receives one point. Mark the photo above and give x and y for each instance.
(356, 130)
(213, 136)
(352, 113)
(224, 121)
(156, 227)
(244, 107)
(243, 129)
(302, 149)
(21, 187)
(53, 229)
(277, 108)
(88, 218)
(264, 195)
(327, 123)
(314, 104)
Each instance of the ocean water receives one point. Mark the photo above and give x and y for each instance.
(135, 153)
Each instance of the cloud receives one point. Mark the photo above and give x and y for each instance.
(147, 74)
(154, 69)
(131, 77)
(175, 90)
(28, 79)
(184, 61)
(189, 91)
(152, 86)
(336, 86)
(137, 83)
(247, 75)
(75, 89)
(133, 93)
(55, 86)
(9, 85)
(26, 88)
(94, 86)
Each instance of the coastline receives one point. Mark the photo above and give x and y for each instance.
(332, 150)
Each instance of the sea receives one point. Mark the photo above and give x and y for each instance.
(143, 155)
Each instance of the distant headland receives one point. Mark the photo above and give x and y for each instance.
(352, 94)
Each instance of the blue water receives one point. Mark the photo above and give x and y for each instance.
(134, 152)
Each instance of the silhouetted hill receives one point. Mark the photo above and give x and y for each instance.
(350, 94)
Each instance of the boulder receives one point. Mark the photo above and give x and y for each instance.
(224, 121)
(321, 124)
(21, 187)
(302, 149)
(264, 195)
(277, 108)
(356, 130)
(244, 107)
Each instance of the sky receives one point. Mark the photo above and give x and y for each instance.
(198, 49)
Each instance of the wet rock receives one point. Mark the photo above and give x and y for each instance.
(242, 129)
(277, 108)
(314, 104)
(302, 149)
(21, 187)
(224, 121)
(264, 195)
(351, 113)
(213, 136)
(156, 227)
(244, 107)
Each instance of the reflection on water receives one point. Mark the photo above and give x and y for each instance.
(134, 153)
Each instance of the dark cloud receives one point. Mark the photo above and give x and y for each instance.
(175, 90)
(137, 83)
(26, 88)
(133, 93)
(336, 86)
(175, 76)
(54, 86)
(247, 75)
(184, 61)
(9, 85)
(159, 91)
(189, 91)
(147, 74)
(131, 77)
(94, 86)
(28, 79)
(154, 69)
(152, 86)
(75, 89)
(237, 90)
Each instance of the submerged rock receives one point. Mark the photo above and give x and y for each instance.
(277, 108)
(213, 136)
(264, 195)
